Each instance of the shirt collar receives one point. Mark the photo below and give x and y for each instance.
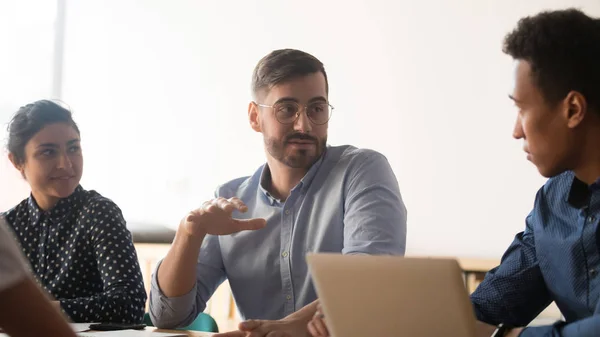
(580, 192)
(265, 176)
(62, 208)
(312, 172)
(304, 183)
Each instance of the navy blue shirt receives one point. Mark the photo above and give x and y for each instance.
(556, 259)
(82, 254)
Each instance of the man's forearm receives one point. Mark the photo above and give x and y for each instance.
(177, 272)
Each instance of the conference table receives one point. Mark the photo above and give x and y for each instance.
(147, 332)
(474, 270)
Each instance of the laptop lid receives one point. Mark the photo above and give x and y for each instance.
(390, 296)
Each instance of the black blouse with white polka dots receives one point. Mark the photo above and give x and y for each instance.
(82, 254)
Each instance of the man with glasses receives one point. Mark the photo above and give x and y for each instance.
(308, 197)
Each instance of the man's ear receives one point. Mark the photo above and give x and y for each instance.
(575, 108)
(254, 117)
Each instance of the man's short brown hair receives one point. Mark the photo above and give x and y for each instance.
(283, 65)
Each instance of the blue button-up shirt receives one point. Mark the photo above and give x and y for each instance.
(348, 202)
(556, 259)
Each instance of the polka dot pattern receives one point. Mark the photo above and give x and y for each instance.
(82, 254)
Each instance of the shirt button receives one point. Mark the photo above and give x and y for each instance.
(287, 212)
(288, 297)
(285, 254)
(591, 219)
(593, 272)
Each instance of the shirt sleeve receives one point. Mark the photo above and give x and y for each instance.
(375, 215)
(173, 312)
(515, 292)
(124, 297)
(13, 266)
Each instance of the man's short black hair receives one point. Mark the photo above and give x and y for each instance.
(563, 50)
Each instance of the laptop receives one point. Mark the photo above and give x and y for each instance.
(391, 296)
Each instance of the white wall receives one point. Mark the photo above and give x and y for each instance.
(26, 63)
(161, 89)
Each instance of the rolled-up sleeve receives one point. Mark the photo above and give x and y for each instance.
(173, 312)
(375, 215)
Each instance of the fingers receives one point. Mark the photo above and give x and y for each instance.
(220, 205)
(316, 327)
(216, 218)
(260, 328)
(226, 205)
(313, 330)
(250, 224)
(239, 204)
(249, 325)
(256, 333)
(319, 325)
(207, 204)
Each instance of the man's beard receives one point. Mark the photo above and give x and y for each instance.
(299, 158)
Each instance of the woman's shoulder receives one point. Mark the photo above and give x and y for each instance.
(98, 206)
(18, 212)
(93, 197)
(103, 217)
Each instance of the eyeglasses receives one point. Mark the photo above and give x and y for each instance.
(288, 112)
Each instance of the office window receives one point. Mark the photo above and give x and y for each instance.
(27, 37)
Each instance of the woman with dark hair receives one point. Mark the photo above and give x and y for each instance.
(75, 240)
